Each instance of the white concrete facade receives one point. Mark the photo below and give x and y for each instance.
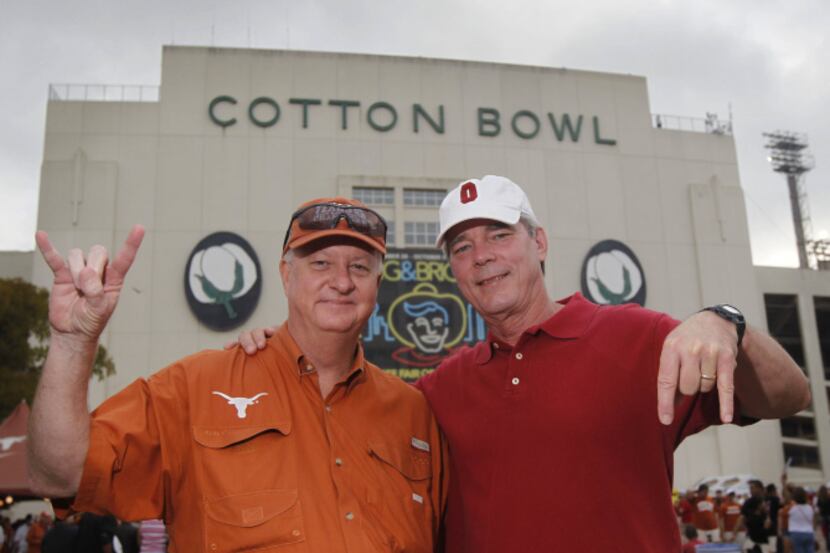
(807, 288)
(673, 197)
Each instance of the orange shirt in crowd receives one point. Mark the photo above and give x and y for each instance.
(703, 516)
(35, 536)
(730, 512)
(242, 453)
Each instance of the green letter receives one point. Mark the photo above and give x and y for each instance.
(488, 117)
(214, 103)
(344, 105)
(530, 115)
(270, 102)
(389, 108)
(305, 102)
(566, 126)
(418, 110)
(597, 138)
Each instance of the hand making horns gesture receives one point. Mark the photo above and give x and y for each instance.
(85, 290)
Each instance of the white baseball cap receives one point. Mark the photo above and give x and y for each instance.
(491, 197)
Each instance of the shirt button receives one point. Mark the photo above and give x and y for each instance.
(496, 345)
(328, 408)
(338, 461)
(515, 381)
(519, 356)
(295, 532)
(350, 516)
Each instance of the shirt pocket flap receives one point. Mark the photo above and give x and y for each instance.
(413, 464)
(251, 509)
(218, 438)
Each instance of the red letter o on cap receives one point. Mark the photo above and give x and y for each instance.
(468, 192)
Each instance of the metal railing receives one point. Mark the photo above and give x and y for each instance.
(103, 93)
(709, 124)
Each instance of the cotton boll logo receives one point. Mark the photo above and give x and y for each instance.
(222, 280)
(612, 275)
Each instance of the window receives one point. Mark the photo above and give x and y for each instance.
(374, 196)
(420, 233)
(782, 320)
(427, 198)
(823, 326)
(804, 456)
(803, 428)
(390, 233)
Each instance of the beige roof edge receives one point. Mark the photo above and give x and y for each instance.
(398, 57)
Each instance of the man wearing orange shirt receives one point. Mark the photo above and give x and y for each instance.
(36, 532)
(684, 508)
(704, 517)
(308, 447)
(730, 514)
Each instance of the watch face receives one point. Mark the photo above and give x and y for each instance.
(729, 308)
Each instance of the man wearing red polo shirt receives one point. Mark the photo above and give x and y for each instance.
(570, 399)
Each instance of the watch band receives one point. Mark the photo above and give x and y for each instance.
(731, 314)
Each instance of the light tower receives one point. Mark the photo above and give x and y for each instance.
(789, 155)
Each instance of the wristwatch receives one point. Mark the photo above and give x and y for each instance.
(731, 314)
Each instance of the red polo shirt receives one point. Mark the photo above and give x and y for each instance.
(569, 412)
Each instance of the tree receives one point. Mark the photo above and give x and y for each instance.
(24, 340)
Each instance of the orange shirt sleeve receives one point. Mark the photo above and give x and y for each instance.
(123, 472)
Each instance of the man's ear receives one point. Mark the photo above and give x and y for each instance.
(284, 269)
(541, 240)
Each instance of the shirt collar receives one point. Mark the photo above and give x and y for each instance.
(303, 367)
(570, 322)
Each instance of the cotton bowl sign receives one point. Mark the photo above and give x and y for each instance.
(222, 280)
(612, 275)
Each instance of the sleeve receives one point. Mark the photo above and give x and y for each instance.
(123, 472)
(440, 483)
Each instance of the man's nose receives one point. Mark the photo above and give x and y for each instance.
(341, 280)
(482, 254)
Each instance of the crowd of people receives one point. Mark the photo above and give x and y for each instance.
(81, 533)
(794, 521)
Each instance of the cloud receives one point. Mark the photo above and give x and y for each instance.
(766, 58)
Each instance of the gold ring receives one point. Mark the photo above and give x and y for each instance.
(708, 377)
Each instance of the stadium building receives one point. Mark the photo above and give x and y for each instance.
(638, 207)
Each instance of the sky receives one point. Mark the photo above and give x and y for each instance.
(764, 61)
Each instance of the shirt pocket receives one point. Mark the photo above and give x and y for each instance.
(400, 505)
(253, 521)
(232, 460)
(248, 482)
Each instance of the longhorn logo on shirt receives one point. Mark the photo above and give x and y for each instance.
(241, 403)
(8, 442)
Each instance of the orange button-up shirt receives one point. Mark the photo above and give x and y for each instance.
(242, 453)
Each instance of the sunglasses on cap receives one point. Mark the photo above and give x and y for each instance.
(327, 216)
